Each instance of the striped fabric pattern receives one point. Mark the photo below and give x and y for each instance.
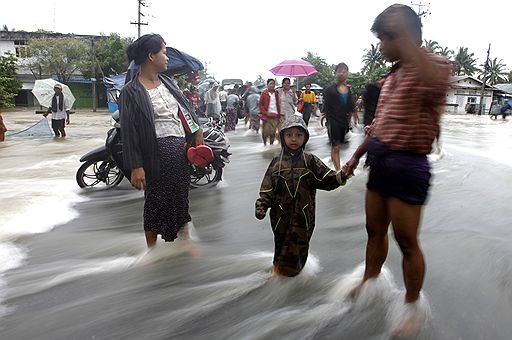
(408, 112)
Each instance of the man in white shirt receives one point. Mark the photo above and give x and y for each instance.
(223, 97)
(59, 111)
(213, 107)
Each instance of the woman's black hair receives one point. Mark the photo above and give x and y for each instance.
(412, 22)
(341, 65)
(269, 80)
(139, 50)
(285, 79)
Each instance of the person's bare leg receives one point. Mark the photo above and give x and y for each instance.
(150, 238)
(406, 220)
(184, 234)
(335, 157)
(377, 222)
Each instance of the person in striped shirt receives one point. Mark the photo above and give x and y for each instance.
(406, 123)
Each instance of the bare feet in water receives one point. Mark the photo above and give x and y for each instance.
(354, 293)
(184, 235)
(409, 318)
(406, 328)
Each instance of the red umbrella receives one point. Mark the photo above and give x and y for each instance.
(294, 68)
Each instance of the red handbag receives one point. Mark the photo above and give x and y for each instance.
(300, 106)
(201, 155)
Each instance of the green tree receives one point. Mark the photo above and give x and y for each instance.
(495, 72)
(445, 51)
(465, 62)
(110, 54)
(357, 82)
(431, 45)
(9, 84)
(373, 59)
(325, 75)
(62, 57)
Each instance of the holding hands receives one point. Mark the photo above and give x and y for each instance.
(349, 167)
(260, 213)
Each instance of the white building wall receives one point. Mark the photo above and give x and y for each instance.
(7, 46)
(461, 97)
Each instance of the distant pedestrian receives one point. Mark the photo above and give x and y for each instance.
(320, 102)
(269, 112)
(288, 189)
(59, 111)
(212, 100)
(223, 97)
(338, 108)
(194, 98)
(3, 128)
(288, 99)
(253, 110)
(495, 109)
(231, 111)
(308, 97)
(506, 109)
(359, 104)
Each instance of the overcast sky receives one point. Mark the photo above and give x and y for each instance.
(244, 39)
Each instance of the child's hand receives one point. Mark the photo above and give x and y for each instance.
(260, 213)
(341, 178)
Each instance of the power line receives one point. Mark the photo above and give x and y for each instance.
(139, 23)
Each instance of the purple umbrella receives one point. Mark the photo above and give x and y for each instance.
(294, 68)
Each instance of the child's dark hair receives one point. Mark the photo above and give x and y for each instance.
(412, 22)
(139, 50)
(342, 66)
(269, 80)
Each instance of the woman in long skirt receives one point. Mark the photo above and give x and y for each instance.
(157, 121)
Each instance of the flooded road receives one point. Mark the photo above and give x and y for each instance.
(74, 262)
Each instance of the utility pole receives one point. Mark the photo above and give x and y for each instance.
(139, 15)
(484, 79)
(93, 77)
(420, 12)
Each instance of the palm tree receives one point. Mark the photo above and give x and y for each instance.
(465, 62)
(432, 45)
(373, 59)
(445, 51)
(495, 72)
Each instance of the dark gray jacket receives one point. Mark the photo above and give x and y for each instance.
(140, 148)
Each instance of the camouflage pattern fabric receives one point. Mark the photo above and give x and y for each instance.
(289, 189)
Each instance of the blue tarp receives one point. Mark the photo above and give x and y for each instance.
(179, 63)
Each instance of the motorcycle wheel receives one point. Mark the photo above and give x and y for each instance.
(94, 172)
(205, 178)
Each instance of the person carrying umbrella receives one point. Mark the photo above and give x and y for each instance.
(59, 111)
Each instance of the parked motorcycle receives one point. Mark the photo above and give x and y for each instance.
(103, 165)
